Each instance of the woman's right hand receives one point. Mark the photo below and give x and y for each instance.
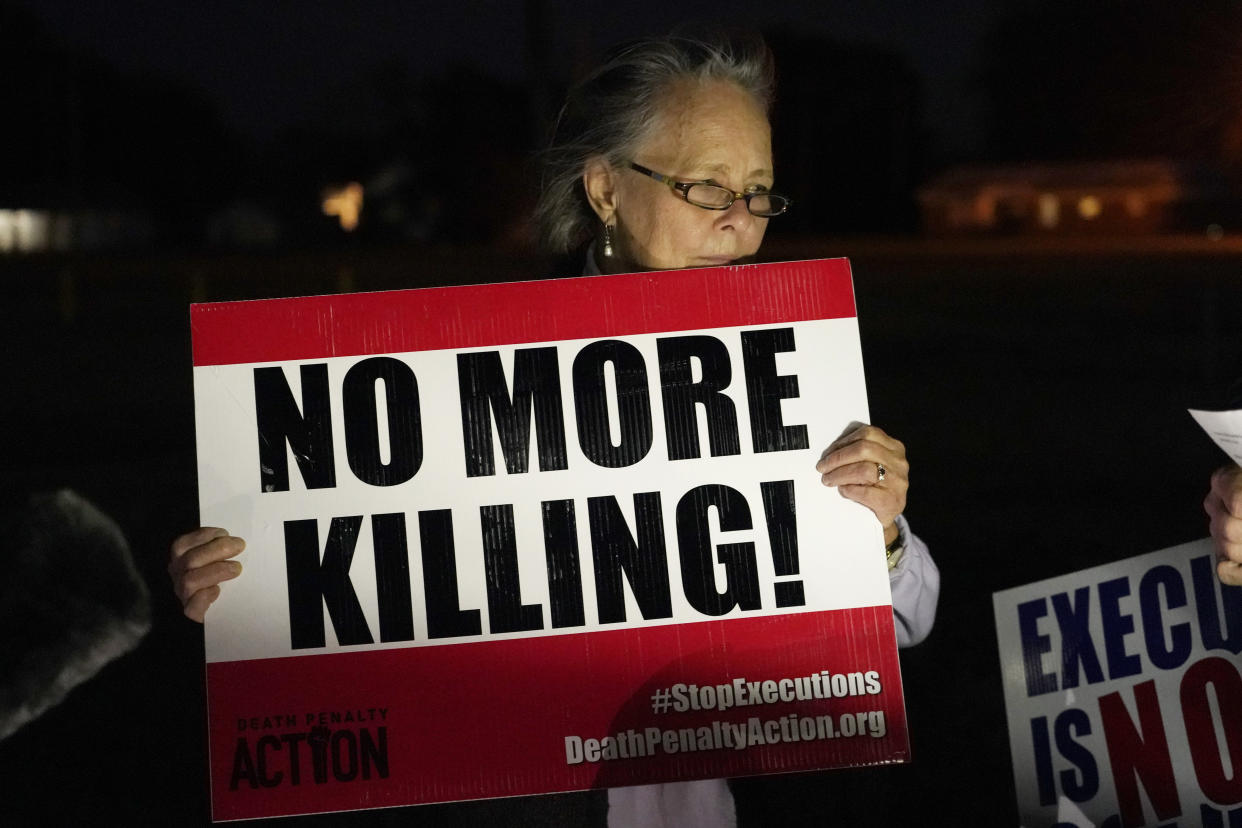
(197, 562)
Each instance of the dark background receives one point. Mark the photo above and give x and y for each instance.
(1040, 384)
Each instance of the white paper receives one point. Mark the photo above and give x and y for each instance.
(1225, 429)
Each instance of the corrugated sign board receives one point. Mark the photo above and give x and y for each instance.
(543, 536)
(1123, 686)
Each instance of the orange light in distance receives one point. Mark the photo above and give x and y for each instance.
(345, 203)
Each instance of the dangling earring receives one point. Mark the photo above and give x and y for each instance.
(607, 241)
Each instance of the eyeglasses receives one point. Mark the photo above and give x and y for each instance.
(714, 197)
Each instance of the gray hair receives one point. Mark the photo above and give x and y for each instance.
(608, 114)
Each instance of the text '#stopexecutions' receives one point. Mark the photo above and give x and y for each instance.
(742, 693)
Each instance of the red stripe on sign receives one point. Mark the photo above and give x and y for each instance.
(347, 731)
(315, 327)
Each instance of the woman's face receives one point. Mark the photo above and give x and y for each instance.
(705, 132)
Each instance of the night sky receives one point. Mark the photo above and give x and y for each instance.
(267, 64)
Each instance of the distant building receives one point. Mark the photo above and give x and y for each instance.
(1105, 197)
(44, 230)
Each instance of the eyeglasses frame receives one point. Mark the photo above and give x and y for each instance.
(683, 189)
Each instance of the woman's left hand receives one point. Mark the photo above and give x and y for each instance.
(868, 466)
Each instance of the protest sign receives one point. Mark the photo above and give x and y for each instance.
(543, 536)
(1124, 693)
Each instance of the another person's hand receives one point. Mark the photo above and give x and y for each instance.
(1224, 507)
(868, 466)
(197, 562)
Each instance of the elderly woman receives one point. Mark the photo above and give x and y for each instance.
(662, 158)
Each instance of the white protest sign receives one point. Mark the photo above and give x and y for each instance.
(1124, 693)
